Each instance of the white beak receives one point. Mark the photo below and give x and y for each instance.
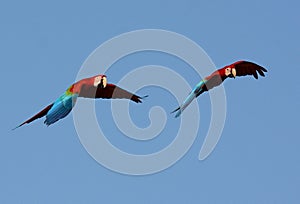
(104, 82)
(233, 72)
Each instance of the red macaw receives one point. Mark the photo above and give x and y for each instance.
(93, 87)
(239, 68)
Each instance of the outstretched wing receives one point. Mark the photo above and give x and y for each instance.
(113, 91)
(244, 68)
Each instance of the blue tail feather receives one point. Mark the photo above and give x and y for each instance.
(194, 93)
(185, 104)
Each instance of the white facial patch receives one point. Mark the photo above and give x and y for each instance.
(227, 71)
(97, 81)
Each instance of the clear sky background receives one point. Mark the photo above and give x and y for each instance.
(257, 160)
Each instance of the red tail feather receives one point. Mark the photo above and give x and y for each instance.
(38, 115)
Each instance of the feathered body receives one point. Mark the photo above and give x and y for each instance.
(239, 68)
(93, 87)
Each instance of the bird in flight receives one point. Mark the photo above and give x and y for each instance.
(93, 87)
(239, 68)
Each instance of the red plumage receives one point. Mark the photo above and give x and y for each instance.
(242, 68)
(93, 87)
(239, 68)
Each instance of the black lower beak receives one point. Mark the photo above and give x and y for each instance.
(101, 84)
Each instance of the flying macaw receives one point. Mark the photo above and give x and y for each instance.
(239, 68)
(93, 87)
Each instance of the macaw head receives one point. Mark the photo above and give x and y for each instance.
(230, 72)
(100, 80)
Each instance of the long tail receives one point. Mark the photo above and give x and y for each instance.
(38, 115)
(197, 90)
(185, 104)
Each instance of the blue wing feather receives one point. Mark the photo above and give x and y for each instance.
(61, 108)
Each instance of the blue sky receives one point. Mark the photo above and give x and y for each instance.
(44, 44)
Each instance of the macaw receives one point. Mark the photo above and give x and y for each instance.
(93, 87)
(239, 68)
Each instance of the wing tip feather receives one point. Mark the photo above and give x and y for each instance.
(138, 99)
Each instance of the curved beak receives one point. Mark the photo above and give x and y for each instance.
(233, 72)
(103, 82)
